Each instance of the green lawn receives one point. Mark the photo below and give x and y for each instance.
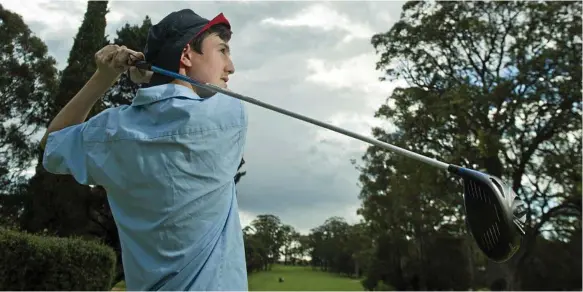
(301, 279)
(295, 279)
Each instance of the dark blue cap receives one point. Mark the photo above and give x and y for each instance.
(167, 39)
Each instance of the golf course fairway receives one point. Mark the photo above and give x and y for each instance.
(298, 278)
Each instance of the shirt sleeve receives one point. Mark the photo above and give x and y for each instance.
(66, 153)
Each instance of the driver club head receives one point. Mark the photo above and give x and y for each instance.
(494, 214)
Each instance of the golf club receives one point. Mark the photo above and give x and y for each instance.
(494, 214)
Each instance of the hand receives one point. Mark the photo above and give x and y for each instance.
(139, 76)
(113, 60)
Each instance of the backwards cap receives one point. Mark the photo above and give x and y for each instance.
(167, 39)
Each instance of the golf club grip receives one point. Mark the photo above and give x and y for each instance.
(254, 101)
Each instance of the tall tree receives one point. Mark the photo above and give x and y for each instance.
(331, 246)
(268, 230)
(288, 235)
(493, 86)
(256, 250)
(27, 85)
(58, 203)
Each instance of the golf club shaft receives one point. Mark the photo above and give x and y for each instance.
(254, 101)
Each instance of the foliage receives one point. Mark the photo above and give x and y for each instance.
(554, 265)
(339, 247)
(134, 37)
(27, 84)
(267, 230)
(57, 202)
(493, 86)
(31, 262)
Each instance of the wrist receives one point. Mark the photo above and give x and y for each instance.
(104, 78)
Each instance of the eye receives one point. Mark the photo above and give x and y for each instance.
(224, 50)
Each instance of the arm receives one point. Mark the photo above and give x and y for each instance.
(112, 61)
(76, 111)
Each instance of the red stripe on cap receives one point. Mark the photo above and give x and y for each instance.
(219, 19)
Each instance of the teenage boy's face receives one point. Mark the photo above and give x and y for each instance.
(214, 65)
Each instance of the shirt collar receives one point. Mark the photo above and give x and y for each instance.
(160, 92)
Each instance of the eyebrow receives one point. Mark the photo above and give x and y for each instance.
(225, 46)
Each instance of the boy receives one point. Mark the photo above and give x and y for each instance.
(167, 161)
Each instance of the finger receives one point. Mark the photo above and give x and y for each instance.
(139, 55)
(127, 57)
(120, 59)
(99, 56)
(135, 57)
(106, 54)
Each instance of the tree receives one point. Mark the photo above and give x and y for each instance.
(288, 236)
(554, 264)
(27, 84)
(57, 202)
(331, 247)
(268, 230)
(134, 37)
(359, 247)
(256, 251)
(493, 86)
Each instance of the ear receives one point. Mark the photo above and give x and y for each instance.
(186, 57)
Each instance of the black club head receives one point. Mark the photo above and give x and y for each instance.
(494, 214)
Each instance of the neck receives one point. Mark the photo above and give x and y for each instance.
(198, 91)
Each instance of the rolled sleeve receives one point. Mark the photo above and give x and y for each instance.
(66, 153)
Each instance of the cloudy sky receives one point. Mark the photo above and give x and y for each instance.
(313, 58)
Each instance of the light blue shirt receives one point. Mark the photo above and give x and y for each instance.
(168, 163)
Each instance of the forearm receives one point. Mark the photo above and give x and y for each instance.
(78, 108)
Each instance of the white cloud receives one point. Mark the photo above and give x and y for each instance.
(319, 16)
(49, 14)
(114, 16)
(354, 122)
(246, 218)
(357, 73)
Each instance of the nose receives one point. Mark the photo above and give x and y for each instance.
(230, 66)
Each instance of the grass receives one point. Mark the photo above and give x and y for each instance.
(296, 278)
(121, 286)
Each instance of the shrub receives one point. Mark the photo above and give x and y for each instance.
(32, 262)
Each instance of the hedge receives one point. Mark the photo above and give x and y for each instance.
(32, 262)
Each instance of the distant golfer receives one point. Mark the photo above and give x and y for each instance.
(167, 161)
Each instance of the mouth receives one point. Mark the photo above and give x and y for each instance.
(226, 79)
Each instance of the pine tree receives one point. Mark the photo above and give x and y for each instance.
(57, 203)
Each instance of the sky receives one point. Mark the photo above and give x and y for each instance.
(313, 58)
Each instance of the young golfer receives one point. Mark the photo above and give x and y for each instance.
(168, 160)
